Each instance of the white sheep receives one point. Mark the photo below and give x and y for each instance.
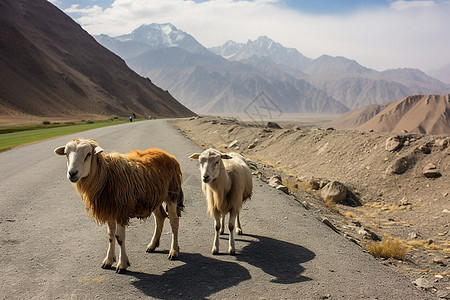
(116, 187)
(226, 183)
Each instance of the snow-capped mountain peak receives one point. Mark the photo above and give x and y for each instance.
(158, 36)
(263, 46)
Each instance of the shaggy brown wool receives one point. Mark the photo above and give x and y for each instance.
(120, 187)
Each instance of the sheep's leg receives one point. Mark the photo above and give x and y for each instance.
(160, 216)
(222, 227)
(232, 221)
(123, 258)
(238, 225)
(111, 254)
(174, 223)
(215, 249)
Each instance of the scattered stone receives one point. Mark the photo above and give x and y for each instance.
(283, 188)
(430, 171)
(412, 235)
(394, 143)
(334, 192)
(368, 234)
(329, 224)
(422, 283)
(251, 146)
(443, 294)
(275, 181)
(425, 149)
(399, 166)
(252, 165)
(233, 144)
(323, 183)
(442, 143)
(273, 125)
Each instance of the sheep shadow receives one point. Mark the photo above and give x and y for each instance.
(276, 258)
(198, 278)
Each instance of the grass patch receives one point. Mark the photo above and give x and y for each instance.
(388, 248)
(11, 137)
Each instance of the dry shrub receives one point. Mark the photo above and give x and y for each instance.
(291, 183)
(388, 248)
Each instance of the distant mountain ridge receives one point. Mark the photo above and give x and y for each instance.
(238, 72)
(50, 66)
(209, 83)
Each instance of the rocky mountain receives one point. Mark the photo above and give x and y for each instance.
(261, 65)
(209, 83)
(342, 79)
(149, 37)
(50, 66)
(428, 114)
(263, 47)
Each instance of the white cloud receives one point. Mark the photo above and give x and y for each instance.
(403, 4)
(389, 37)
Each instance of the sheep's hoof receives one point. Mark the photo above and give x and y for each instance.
(106, 266)
(120, 271)
(150, 250)
(173, 255)
(232, 252)
(239, 231)
(215, 251)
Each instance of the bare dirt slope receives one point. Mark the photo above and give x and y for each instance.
(50, 66)
(429, 114)
(396, 199)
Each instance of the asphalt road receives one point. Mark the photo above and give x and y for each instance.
(51, 249)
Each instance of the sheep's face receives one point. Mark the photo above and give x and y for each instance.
(79, 156)
(210, 163)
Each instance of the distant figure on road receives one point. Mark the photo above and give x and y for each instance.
(131, 119)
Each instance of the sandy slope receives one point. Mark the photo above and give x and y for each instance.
(428, 114)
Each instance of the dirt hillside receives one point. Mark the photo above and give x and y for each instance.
(51, 67)
(428, 114)
(388, 193)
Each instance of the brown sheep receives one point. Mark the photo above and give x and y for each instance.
(116, 187)
(226, 183)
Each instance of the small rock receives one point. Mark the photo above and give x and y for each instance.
(273, 125)
(329, 224)
(275, 181)
(412, 235)
(251, 146)
(233, 144)
(443, 294)
(399, 166)
(283, 188)
(430, 171)
(393, 143)
(423, 283)
(425, 149)
(334, 192)
(442, 143)
(368, 234)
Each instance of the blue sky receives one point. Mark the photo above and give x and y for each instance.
(379, 34)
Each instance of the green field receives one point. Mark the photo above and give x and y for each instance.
(11, 137)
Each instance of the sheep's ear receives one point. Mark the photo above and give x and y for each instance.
(225, 156)
(60, 150)
(195, 156)
(98, 150)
